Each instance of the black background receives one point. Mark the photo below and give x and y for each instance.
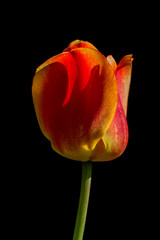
(43, 187)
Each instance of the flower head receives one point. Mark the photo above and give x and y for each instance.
(80, 99)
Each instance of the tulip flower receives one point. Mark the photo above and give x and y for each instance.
(80, 98)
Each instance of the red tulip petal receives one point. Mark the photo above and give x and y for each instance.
(76, 99)
(95, 101)
(123, 75)
(115, 140)
(52, 87)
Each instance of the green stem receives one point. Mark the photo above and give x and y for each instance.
(83, 200)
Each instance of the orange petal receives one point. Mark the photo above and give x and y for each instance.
(112, 62)
(51, 88)
(95, 100)
(123, 75)
(115, 140)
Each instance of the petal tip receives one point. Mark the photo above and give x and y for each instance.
(126, 60)
(79, 44)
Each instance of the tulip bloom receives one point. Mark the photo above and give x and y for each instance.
(80, 98)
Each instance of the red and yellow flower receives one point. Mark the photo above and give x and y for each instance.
(80, 98)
